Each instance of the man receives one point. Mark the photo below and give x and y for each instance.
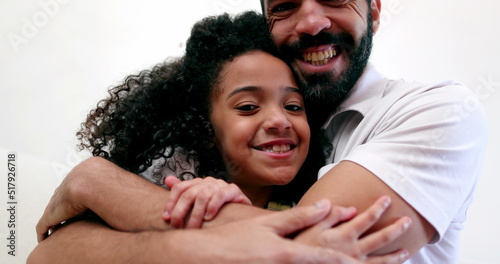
(391, 137)
(405, 140)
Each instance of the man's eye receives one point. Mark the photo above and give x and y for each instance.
(294, 108)
(247, 108)
(283, 7)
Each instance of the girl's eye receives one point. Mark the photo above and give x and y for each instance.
(294, 108)
(247, 108)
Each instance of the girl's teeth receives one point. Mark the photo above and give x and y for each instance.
(277, 148)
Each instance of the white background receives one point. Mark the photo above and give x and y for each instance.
(58, 58)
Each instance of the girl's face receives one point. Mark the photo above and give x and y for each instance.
(259, 120)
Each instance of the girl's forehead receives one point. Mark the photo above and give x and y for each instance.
(254, 72)
(257, 67)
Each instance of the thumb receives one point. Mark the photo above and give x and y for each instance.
(298, 218)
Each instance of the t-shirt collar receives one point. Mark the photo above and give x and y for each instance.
(367, 91)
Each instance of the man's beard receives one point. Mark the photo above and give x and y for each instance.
(321, 90)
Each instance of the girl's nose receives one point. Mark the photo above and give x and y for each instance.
(276, 121)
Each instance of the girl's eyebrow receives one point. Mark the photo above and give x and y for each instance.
(257, 88)
(292, 89)
(243, 89)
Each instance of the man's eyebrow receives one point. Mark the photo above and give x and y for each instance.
(243, 89)
(267, 2)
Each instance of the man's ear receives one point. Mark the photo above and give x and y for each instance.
(376, 8)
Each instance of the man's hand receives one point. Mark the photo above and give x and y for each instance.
(63, 205)
(265, 239)
(347, 237)
(258, 240)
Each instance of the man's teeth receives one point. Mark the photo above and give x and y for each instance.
(276, 148)
(319, 57)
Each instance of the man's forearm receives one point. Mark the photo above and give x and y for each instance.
(130, 203)
(349, 184)
(93, 242)
(85, 242)
(125, 201)
(122, 199)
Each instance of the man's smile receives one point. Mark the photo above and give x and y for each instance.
(321, 57)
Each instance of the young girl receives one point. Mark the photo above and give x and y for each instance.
(230, 109)
(260, 129)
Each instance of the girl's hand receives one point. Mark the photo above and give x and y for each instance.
(203, 196)
(348, 237)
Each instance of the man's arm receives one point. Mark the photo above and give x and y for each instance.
(119, 197)
(349, 184)
(122, 199)
(262, 240)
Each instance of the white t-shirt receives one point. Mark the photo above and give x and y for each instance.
(426, 142)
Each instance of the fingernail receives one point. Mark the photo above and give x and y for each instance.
(404, 255)
(407, 223)
(208, 216)
(387, 201)
(321, 204)
(166, 215)
(351, 209)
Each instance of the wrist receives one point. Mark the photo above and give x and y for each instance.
(231, 212)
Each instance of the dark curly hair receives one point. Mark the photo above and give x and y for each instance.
(166, 109)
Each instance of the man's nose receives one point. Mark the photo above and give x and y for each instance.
(312, 19)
